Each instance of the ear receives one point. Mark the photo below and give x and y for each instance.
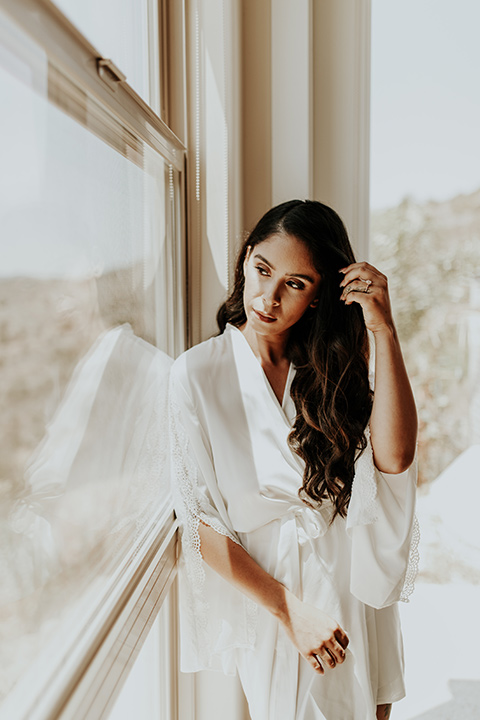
(314, 303)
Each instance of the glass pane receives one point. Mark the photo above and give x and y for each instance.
(126, 32)
(149, 689)
(425, 237)
(87, 306)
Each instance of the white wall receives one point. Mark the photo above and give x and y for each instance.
(278, 107)
(305, 105)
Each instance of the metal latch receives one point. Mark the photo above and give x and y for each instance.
(109, 73)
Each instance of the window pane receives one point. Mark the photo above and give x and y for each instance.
(126, 32)
(425, 237)
(149, 691)
(87, 290)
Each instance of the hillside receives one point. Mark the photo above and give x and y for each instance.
(431, 255)
(46, 326)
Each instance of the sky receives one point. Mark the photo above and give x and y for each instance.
(425, 111)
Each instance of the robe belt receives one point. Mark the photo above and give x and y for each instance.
(300, 526)
(311, 523)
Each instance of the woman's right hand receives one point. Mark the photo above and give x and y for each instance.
(315, 634)
(317, 637)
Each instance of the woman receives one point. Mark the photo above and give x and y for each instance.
(294, 483)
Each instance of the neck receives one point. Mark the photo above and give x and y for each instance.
(269, 349)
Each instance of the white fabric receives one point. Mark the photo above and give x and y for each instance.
(233, 470)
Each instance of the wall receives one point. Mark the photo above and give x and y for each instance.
(278, 107)
(305, 106)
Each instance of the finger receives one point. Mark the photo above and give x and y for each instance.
(360, 285)
(359, 267)
(325, 657)
(362, 271)
(337, 652)
(363, 277)
(342, 638)
(317, 665)
(363, 299)
(332, 661)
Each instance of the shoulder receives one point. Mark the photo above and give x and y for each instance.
(197, 366)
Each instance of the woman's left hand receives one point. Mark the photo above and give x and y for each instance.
(367, 286)
(393, 422)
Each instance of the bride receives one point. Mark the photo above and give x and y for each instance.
(294, 481)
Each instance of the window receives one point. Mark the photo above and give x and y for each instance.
(425, 198)
(128, 32)
(92, 309)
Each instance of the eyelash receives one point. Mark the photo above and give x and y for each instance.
(291, 283)
(261, 270)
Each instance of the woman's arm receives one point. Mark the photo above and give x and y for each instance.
(393, 424)
(316, 636)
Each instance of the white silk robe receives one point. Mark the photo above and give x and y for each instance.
(233, 470)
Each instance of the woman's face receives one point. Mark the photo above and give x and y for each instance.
(281, 283)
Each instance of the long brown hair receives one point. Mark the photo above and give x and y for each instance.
(329, 348)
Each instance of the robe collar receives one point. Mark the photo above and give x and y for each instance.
(246, 359)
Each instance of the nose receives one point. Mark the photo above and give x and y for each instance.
(271, 297)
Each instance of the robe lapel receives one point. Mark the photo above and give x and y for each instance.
(268, 422)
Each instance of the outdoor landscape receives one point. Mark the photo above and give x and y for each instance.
(431, 255)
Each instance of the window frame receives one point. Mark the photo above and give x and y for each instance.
(89, 673)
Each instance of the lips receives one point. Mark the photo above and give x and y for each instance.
(263, 317)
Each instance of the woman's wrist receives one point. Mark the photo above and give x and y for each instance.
(284, 605)
(386, 331)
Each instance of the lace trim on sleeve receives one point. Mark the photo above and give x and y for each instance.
(193, 508)
(366, 511)
(413, 563)
(365, 485)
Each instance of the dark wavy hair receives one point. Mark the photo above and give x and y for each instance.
(329, 348)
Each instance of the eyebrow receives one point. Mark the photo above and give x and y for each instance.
(297, 275)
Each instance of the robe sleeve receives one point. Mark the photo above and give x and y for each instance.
(384, 532)
(215, 617)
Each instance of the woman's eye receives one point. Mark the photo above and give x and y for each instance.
(296, 285)
(261, 270)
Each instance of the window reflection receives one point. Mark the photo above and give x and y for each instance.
(86, 293)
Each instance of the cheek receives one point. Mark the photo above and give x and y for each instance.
(300, 307)
(252, 285)
(248, 291)
(300, 303)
